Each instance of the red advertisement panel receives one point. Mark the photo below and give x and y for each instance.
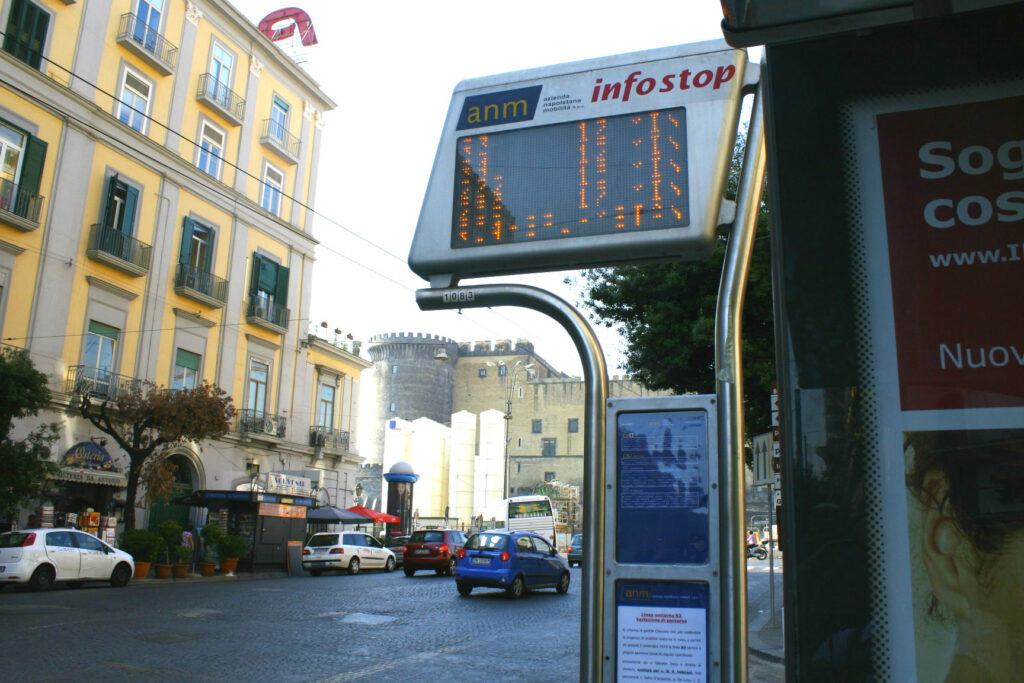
(954, 208)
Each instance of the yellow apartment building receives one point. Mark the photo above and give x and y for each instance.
(158, 167)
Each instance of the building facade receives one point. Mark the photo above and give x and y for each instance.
(159, 165)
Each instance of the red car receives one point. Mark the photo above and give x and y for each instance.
(436, 549)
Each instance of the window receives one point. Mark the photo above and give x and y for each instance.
(537, 426)
(394, 369)
(278, 119)
(26, 32)
(482, 372)
(196, 257)
(259, 376)
(574, 425)
(186, 370)
(147, 28)
(268, 290)
(221, 63)
(133, 106)
(393, 407)
(211, 150)
(520, 392)
(119, 213)
(502, 370)
(98, 357)
(325, 406)
(273, 187)
(547, 446)
(21, 169)
(549, 476)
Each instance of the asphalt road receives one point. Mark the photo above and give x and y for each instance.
(372, 626)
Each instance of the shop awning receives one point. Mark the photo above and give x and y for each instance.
(88, 476)
(382, 517)
(329, 513)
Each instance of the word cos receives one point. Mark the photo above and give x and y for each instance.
(939, 161)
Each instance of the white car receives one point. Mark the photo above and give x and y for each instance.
(39, 557)
(350, 550)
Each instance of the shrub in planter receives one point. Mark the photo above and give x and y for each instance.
(170, 532)
(212, 535)
(181, 557)
(230, 549)
(142, 545)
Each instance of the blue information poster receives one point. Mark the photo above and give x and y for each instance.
(662, 503)
(661, 631)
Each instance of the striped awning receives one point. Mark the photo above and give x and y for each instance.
(87, 476)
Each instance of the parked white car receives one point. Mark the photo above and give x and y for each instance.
(39, 557)
(349, 550)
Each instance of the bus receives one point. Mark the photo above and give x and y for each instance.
(531, 513)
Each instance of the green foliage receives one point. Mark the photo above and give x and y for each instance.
(170, 533)
(233, 545)
(142, 544)
(212, 536)
(24, 463)
(181, 554)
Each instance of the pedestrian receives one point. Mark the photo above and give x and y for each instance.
(188, 541)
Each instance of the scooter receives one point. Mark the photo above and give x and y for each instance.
(758, 551)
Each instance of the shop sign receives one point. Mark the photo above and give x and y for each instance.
(87, 455)
(87, 476)
(286, 483)
(287, 511)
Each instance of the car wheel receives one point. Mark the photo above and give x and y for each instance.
(517, 588)
(42, 578)
(453, 564)
(316, 572)
(563, 583)
(390, 566)
(353, 566)
(409, 571)
(464, 588)
(121, 575)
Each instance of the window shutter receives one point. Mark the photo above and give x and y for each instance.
(103, 330)
(108, 211)
(32, 167)
(268, 276)
(186, 240)
(281, 286)
(128, 218)
(187, 359)
(257, 267)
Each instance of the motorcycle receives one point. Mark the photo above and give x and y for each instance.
(757, 551)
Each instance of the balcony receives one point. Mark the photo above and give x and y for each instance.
(268, 315)
(205, 288)
(259, 423)
(330, 440)
(147, 43)
(118, 250)
(274, 137)
(18, 207)
(221, 98)
(99, 383)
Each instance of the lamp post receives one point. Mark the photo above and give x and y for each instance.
(511, 378)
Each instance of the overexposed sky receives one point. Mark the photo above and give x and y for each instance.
(391, 68)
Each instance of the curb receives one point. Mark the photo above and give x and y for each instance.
(766, 656)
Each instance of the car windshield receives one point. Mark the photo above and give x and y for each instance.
(487, 542)
(577, 540)
(395, 542)
(323, 540)
(427, 537)
(12, 540)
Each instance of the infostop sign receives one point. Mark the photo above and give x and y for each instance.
(609, 161)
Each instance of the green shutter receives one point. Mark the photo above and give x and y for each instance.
(281, 286)
(186, 240)
(130, 200)
(108, 211)
(268, 276)
(103, 330)
(187, 359)
(254, 281)
(32, 167)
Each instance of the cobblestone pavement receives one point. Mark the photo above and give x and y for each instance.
(368, 627)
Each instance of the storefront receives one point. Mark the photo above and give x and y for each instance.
(87, 492)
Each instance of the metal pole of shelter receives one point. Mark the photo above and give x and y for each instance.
(729, 390)
(595, 375)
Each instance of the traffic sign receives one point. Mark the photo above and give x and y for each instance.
(603, 162)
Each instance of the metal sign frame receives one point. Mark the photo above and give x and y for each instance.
(716, 77)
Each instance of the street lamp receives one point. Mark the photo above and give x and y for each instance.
(510, 379)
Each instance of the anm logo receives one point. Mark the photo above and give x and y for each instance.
(507, 106)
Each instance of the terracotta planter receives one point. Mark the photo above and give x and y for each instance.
(207, 568)
(163, 571)
(228, 565)
(180, 571)
(142, 569)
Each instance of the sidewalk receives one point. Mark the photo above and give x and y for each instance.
(195, 578)
(764, 640)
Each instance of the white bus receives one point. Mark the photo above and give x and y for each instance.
(527, 513)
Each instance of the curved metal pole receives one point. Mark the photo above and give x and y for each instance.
(729, 391)
(595, 375)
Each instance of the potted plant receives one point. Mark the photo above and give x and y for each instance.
(142, 545)
(230, 549)
(170, 534)
(212, 536)
(181, 558)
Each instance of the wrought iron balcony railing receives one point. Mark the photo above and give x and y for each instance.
(328, 439)
(277, 137)
(222, 97)
(262, 311)
(148, 43)
(15, 200)
(205, 287)
(259, 422)
(97, 382)
(134, 256)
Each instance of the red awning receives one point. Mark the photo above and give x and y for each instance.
(374, 515)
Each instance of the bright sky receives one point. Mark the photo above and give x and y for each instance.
(391, 68)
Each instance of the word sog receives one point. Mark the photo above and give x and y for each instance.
(636, 83)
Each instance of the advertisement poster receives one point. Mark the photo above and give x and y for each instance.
(943, 230)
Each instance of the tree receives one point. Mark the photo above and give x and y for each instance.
(666, 315)
(147, 421)
(24, 464)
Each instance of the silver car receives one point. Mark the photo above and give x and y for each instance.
(39, 557)
(348, 550)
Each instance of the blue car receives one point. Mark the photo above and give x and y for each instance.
(514, 561)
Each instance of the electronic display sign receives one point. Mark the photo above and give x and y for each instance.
(604, 162)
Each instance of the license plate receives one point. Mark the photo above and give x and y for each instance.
(481, 560)
(318, 563)
(421, 551)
